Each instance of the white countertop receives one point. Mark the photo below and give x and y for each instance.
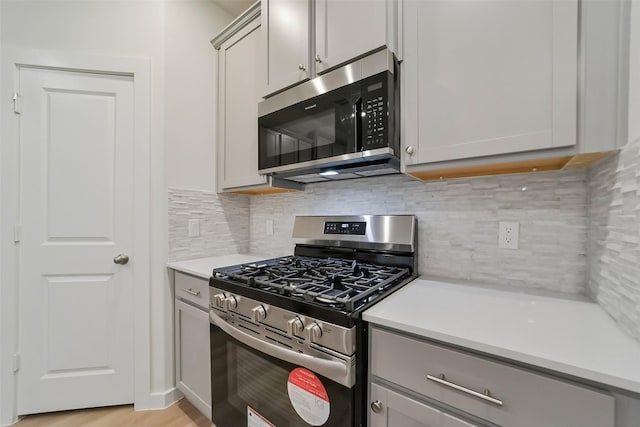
(202, 267)
(559, 334)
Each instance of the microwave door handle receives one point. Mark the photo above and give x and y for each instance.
(333, 370)
(357, 125)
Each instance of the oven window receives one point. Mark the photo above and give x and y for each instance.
(243, 377)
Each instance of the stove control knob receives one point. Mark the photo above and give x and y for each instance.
(218, 300)
(259, 313)
(295, 326)
(314, 332)
(230, 303)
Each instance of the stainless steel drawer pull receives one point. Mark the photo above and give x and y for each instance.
(192, 292)
(485, 396)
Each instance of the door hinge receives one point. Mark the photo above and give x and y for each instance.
(17, 233)
(16, 102)
(16, 362)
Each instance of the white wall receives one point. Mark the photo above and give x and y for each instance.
(634, 74)
(614, 212)
(3, 372)
(190, 111)
(174, 35)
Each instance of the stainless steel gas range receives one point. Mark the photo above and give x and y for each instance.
(288, 343)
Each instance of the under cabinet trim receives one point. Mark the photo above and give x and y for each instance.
(523, 166)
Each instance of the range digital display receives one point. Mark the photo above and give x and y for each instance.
(352, 228)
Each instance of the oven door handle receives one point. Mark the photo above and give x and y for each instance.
(333, 370)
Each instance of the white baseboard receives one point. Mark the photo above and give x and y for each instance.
(160, 400)
(156, 401)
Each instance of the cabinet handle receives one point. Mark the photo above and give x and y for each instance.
(376, 406)
(192, 292)
(485, 396)
(301, 67)
(409, 150)
(318, 60)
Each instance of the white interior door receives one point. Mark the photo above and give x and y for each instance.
(76, 172)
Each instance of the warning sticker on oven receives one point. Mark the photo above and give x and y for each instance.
(308, 396)
(254, 419)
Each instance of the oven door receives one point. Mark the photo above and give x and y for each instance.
(253, 386)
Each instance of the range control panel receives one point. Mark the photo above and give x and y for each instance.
(353, 228)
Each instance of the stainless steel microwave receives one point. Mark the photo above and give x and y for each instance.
(342, 124)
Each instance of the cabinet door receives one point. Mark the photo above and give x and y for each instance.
(193, 355)
(398, 410)
(346, 29)
(488, 77)
(286, 42)
(239, 92)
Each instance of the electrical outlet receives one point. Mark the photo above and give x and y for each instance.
(194, 227)
(269, 227)
(508, 235)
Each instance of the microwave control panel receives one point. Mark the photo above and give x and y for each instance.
(376, 110)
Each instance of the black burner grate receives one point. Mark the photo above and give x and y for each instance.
(335, 282)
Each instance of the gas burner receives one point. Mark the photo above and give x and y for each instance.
(341, 283)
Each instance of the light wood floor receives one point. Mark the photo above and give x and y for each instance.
(181, 414)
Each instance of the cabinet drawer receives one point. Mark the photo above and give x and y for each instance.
(527, 399)
(193, 289)
(398, 410)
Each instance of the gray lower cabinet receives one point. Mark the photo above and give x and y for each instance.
(407, 372)
(192, 352)
(392, 409)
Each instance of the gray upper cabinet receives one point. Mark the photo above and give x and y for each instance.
(239, 88)
(240, 82)
(507, 86)
(489, 77)
(304, 38)
(346, 29)
(285, 43)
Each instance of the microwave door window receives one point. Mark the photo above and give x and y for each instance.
(288, 149)
(300, 133)
(271, 146)
(305, 150)
(345, 128)
(307, 138)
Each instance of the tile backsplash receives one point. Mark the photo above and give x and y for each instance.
(579, 230)
(224, 224)
(458, 223)
(614, 236)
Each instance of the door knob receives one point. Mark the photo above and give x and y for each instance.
(376, 406)
(121, 259)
